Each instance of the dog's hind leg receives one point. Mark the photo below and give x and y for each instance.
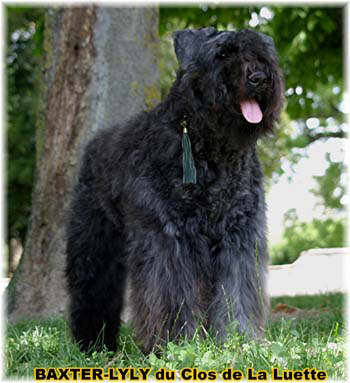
(95, 269)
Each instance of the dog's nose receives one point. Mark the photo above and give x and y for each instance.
(256, 78)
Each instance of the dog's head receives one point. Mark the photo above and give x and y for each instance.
(234, 74)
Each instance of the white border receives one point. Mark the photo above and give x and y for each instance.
(346, 49)
(3, 185)
(332, 3)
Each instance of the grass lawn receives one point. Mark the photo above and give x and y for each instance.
(303, 332)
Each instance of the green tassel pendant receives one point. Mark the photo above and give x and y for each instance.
(189, 168)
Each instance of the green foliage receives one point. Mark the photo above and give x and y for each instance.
(310, 50)
(331, 189)
(299, 236)
(316, 340)
(24, 39)
(204, 15)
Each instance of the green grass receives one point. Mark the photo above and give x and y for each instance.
(314, 338)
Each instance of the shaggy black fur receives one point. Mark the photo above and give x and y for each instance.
(194, 253)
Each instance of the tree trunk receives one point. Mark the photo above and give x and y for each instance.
(101, 67)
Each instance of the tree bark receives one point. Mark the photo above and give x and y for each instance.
(101, 67)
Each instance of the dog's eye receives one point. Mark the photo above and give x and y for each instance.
(257, 78)
(221, 55)
(227, 51)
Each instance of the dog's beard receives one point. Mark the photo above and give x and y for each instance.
(251, 111)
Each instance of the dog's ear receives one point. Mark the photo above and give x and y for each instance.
(183, 41)
(268, 40)
(187, 43)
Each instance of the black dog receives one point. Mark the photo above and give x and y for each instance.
(174, 198)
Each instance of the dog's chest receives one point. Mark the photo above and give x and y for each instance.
(221, 197)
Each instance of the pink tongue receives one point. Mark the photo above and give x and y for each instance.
(251, 111)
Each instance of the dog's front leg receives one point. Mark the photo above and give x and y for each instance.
(165, 287)
(240, 293)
